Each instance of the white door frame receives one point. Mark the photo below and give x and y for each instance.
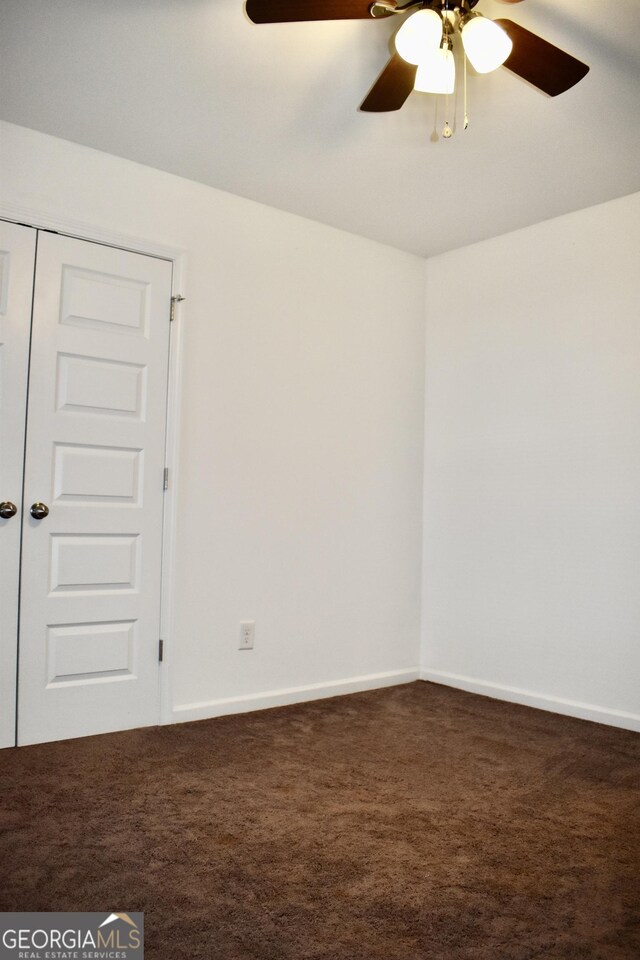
(31, 217)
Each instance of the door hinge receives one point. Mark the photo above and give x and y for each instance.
(165, 482)
(177, 299)
(160, 650)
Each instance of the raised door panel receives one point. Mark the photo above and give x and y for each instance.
(95, 457)
(17, 258)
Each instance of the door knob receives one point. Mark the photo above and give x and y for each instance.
(39, 510)
(7, 509)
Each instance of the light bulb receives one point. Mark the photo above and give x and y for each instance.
(437, 74)
(485, 43)
(419, 36)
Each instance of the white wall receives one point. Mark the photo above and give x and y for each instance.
(532, 466)
(300, 453)
(301, 433)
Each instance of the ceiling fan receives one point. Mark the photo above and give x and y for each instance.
(424, 59)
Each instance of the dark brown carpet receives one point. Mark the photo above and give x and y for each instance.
(413, 823)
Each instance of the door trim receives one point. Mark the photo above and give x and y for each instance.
(32, 217)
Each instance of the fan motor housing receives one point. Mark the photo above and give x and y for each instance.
(387, 8)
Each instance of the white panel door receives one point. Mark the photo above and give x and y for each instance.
(17, 256)
(90, 611)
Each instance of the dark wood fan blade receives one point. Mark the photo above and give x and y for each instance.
(287, 11)
(547, 67)
(392, 87)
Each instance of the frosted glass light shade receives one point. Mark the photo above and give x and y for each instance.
(437, 74)
(419, 36)
(485, 43)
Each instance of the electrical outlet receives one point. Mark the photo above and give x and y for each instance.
(247, 634)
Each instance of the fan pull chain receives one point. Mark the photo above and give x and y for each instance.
(447, 131)
(466, 116)
(447, 44)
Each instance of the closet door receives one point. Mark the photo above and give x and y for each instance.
(92, 525)
(17, 253)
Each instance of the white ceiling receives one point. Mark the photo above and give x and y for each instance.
(270, 112)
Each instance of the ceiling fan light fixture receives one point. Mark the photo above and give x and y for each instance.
(437, 74)
(486, 45)
(419, 36)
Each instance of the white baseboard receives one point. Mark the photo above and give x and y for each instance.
(280, 698)
(569, 708)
